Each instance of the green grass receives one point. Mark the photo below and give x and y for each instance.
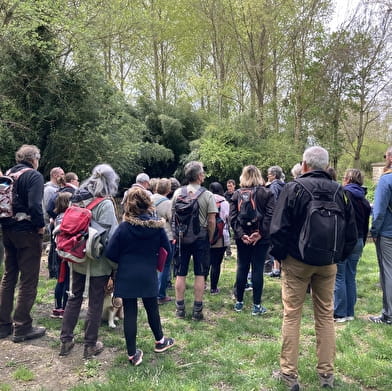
(236, 352)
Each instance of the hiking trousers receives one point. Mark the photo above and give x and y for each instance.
(296, 276)
(96, 295)
(23, 260)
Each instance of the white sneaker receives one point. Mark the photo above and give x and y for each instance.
(340, 320)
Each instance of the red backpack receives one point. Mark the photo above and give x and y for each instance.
(73, 232)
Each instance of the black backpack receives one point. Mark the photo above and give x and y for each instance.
(248, 216)
(322, 236)
(185, 219)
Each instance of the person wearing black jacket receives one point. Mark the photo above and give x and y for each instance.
(253, 240)
(22, 238)
(287, 221)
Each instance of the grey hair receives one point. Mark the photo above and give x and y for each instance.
(296, 170)
(142, 177)
(192, 170)
(276, 171)
(27, 153)
(102, 182)
(316, 158)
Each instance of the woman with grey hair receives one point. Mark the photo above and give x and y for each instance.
(103, 182)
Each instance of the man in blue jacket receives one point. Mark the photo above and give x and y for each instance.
(22, 238)
(381, 231)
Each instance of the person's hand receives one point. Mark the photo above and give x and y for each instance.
(246, 239)
(255, 237)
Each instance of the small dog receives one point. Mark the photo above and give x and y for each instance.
(112, 306)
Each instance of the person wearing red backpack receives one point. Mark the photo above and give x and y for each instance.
(103, 182)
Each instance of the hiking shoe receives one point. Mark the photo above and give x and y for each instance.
(164, 300)
(5, 331)
(66, 348)
(214, 291)
(380, 319)
(258, 309)
(180, 311)
(197, 313)
(57, 313)
(275, 274)
(166, 344)
(137, 358)
(290, 381)
(326, 380)
(35, 332)
(90, 351)
(239, 306)
(339, 319)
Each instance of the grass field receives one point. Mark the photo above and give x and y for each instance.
(237, 351)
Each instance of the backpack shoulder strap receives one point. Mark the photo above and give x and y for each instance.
(158, 202)
(95, 202)
(17, 174)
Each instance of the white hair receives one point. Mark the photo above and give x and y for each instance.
(316, 158)
(142, 177)
(102, 182)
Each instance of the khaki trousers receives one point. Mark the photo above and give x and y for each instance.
(296, 276)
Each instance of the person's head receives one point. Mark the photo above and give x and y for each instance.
(315, 158)
(353, 175)
(143, 179)
(153, 183)
(332, 173)
(251, 176)
(296, 170)
(274, 172)
(194, 172)
(62, 202)
(55, 174)
(216, 188)
(163, 186)
(103, 181)
(174, 185)
(72, 178)
(29, 154)
(230, 185)
(137, 203)
(388, 159)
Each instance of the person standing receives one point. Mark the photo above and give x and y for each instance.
(288, 219)
(142, 182)
(198, 249)
(381, 231)
(251, 237)
(230, 186)
(134, 247)
(103, 182)
(22, 239)
(345, 294)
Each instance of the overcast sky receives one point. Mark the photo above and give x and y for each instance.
(343, 8)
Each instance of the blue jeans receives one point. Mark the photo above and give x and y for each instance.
(163, 276)
(345, 294)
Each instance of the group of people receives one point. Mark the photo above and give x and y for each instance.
(130, 256)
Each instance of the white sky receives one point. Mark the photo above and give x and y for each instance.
(343, 8)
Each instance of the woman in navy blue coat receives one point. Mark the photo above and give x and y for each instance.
(134, 246)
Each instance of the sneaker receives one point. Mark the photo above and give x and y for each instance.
(290, 381)
(66, 348)
(339, 319)
(326, 380)
(258, 309)
(197, 313)
(164, 300)
(90, 351)
(166, 344)
(214, 291)
(380, 319)
(275, 274)
(137, 358)
(57, 313)
(180, 311)
(239, 306)
(248, 286)
(350, 318)
(35, 332)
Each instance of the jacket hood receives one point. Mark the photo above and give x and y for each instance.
(356, 190)
(144, 226)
